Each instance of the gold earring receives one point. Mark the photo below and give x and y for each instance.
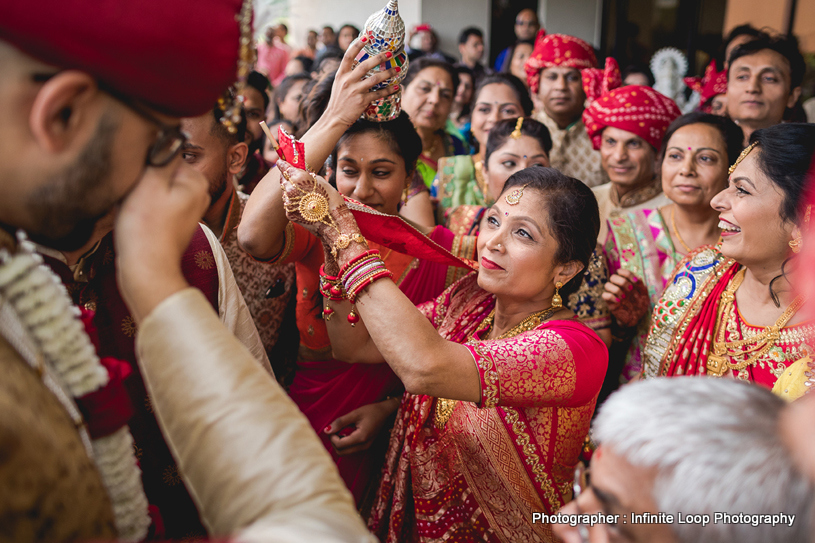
(557, 301)
(405, 194)
(795, 244)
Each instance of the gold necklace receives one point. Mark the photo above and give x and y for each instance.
(444, 406)
(676, 232)
(718, 361)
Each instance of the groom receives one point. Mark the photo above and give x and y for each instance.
(91, 97)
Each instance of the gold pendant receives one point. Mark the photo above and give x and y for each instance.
(444, 410)
(716, 365)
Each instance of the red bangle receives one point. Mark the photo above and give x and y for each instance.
(331, 287)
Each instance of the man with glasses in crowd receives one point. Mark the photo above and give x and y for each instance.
(526, 27)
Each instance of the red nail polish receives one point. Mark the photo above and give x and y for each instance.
(363, 39)
(327, 429)
(398, 69)
(388, 55)
(630, 286)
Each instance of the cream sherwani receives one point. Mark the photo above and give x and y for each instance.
(248, 455)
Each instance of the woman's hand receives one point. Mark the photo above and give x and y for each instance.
(627, 298)
(365, 423)
(309, 200)
(351, 94)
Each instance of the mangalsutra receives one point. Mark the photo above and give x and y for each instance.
(676, 232)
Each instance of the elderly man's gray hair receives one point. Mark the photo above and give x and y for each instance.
(717, 449)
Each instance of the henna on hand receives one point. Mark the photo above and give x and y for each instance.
(633, 306)
(318, 207)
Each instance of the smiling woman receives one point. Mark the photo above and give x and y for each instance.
(643, 247)
(496, 361)
(730, 310)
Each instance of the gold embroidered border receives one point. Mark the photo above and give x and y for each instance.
(490, 393)
(526, 446)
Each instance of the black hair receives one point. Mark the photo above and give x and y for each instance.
(218, 127)
(314, 104)
(399, 133)
(260, 83)
(785, 155)
(741, 30)
(507, 64)
(352, 27)
(305, 62)
(423, 63)
(572, 213)
(732, 135)
(460, 70)
(786, 46)
(521, 92)
(502, 131)
(467, 32)
(639, 69)
(328, 53)
(284, 87)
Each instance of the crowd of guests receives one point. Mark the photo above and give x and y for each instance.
(541, 288)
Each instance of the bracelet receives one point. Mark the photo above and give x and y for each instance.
(356, 260)
(331, 287)
(357, 283)
(345, 240)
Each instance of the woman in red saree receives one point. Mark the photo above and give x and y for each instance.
(348, 404)
(730, 310)
(501, 378)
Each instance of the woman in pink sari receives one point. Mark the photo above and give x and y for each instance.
(501, 378)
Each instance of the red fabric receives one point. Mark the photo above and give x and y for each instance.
(107, 409)
(633, 108)
(557, 50)
(709, 86)
(291, 150)
(597, 82)
(177, 57)
(327, 388)
(395, 233)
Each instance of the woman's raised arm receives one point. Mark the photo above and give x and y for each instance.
(424, 361)
(262, 227)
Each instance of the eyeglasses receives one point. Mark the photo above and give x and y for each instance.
(582, 482)
(170, 139)
(521, 22)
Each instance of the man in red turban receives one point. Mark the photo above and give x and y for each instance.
(626, 124)
(712, 89)
(554, 76)
(90, 97)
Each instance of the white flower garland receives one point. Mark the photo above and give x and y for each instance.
(71, 369)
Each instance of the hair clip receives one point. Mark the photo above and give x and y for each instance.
(516, 134)
(742, 156)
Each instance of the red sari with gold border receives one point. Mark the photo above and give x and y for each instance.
(480, 475)
(686, 317)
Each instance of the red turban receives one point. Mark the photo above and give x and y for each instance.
(710, 86)
(176, 57)
(634, 108)
(557, 50)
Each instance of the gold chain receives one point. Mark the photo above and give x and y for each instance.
(719, 361)
(676, 232)
(444, 406)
